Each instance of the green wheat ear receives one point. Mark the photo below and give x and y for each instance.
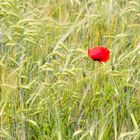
(0, 78)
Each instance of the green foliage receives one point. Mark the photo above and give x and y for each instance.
(50, 89)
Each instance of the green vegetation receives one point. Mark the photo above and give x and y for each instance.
(50, 89)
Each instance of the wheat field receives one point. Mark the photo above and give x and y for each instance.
(50, 89)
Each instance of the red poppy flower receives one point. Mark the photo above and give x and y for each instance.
(99, 53)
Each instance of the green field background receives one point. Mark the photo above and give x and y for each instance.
(50, 89)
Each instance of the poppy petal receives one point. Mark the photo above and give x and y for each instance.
(99, 53)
